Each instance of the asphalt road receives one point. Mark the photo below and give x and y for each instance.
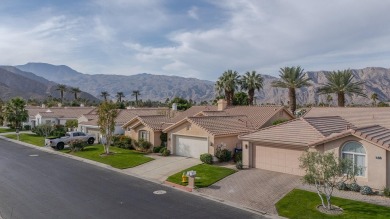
(52, 186)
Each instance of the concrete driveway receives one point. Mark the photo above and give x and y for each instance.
(162, 167)
(254, 188)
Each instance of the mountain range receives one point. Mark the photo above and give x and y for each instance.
(160, 87)
(15, 82)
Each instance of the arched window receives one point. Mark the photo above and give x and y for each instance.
(355, 151)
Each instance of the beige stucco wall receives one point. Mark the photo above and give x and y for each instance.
(388, 168)
(189, 129)
(377, 172)
(230, 141)
(154, 137)
(246, 154)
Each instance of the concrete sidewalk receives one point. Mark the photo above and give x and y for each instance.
(162, 167)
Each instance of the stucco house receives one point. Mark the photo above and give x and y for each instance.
(279, 147)
(88, 122)
(205, 130)
(58, 115)
(147, 127)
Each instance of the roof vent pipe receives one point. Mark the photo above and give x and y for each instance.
(174, 106)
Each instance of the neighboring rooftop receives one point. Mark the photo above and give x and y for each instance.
(358, 116)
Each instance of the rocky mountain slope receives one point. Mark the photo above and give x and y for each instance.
(160, 87)
(15, 82)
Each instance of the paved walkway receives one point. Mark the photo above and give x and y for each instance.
(374, 199)
(162, 167)
(254, 188)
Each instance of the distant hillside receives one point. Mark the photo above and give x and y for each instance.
(154, 87)
(160, 87)
(15, 82)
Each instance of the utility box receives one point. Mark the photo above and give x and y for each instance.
(191, 179)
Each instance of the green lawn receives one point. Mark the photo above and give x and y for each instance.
(302, 204)
(5, 130)
(29, 138)
(208, 175)
(122, 159)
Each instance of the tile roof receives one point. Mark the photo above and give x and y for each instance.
(358, 116)
(155, 122)
(295, 133)
(179, 115)
(126, 115)
(65, 112)
(312, 131)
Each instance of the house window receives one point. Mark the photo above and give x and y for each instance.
(355, 151)
(143, 135)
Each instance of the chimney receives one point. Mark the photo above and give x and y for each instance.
(43, 106)
(221, 104)
(59, 104)
(174, 106)
(82, 105)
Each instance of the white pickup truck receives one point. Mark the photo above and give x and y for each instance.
(59, 143)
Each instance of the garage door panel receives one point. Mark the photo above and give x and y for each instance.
(190, 146)
(277, 159)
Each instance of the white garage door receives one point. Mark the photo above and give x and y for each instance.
(277, 159)
(191, 146)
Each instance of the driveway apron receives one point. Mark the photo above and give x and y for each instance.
(254, 188)
(163, 167)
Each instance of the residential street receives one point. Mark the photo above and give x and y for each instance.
(36, 184)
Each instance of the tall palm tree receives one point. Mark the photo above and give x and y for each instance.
(119, 96)
(251, 81)
(374, 98)
(329, 99)
(75, 91)
(341, 83)
(228, 83)
(62, 88)
(292, 78)
(104, 94)
(136, 93)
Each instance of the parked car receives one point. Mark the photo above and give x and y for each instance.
(59, 143)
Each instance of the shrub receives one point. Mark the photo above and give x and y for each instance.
(353, 187)
(77, 145)
(206, 158)
(239, 165)
(238, 156)
(366, 190)
(27, 127)
(124, 142)
(166, 152)
(142, 145)
(59, 130)
(341, 186)
(278, 121)
(386, 192)
(222, 153)
(43, 130)
(162, 149)
(157, 149)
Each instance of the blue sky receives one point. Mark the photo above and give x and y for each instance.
(198, 39)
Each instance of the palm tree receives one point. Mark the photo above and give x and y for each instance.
(340, 83)
(136, 93)
(75, 91)
(104, 94)
(119, 95)
(292, 78)
(228, 83)
(329, 99)
(62, 88)
(251, 81)
(15, 112)
(374, 98)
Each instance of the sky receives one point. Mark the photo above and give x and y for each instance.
(198, 38)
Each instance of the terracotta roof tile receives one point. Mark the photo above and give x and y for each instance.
(223, 125)
(65, 112)
(329, 124)
(358, 116)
